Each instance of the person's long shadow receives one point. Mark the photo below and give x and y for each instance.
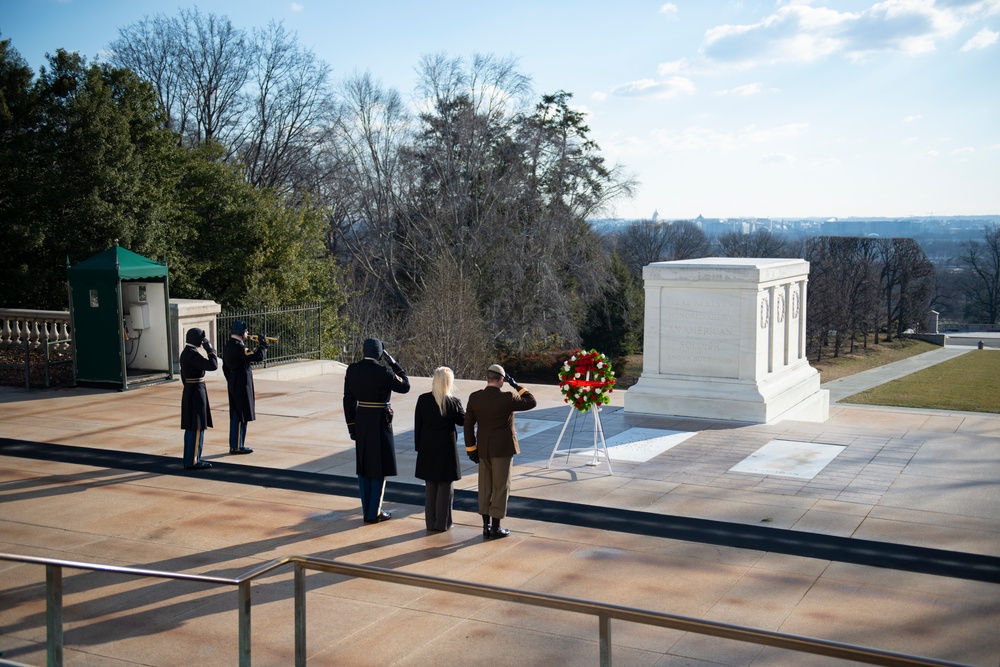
(49, 486)
(160, 614)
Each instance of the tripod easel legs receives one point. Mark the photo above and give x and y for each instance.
(598, 431)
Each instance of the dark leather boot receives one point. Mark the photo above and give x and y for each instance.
(496, 532)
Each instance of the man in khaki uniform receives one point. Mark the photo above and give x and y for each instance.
(491, 441)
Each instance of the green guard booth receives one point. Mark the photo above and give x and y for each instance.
(119, 308)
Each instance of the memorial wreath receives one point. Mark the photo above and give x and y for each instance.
(586, 379)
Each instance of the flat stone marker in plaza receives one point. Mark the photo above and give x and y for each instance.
(725, 338)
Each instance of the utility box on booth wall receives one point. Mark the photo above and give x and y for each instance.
(120, 317)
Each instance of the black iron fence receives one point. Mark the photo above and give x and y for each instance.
(298, 330)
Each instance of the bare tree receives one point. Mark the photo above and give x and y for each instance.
(479, 183)
(844, 291)
(264, 98)
(981, 280)
(152, 49)
(761, 243)
(906, 281)
(292, 107)
(365, 146)
(686, 241)
(215, 60)
(445, 327)
(642, 243)
(504, 189)
(916, 286)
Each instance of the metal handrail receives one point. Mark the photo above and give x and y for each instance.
(603, 611)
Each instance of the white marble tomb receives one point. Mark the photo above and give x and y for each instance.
(725, 338)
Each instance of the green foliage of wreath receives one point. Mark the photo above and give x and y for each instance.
(587, 379)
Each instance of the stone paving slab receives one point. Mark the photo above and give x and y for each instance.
(904, 477)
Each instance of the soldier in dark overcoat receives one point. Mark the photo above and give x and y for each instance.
(367, 386)
(236, 360)
(196, 413)
(437, 414)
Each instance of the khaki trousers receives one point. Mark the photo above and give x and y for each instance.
(494, 485)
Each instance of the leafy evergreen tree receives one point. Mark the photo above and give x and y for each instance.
(615, 320)
(88, 163)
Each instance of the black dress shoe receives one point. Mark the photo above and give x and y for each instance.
(486, 532)
(382, 516)
(242, 450)
(497, 532)
(200, 465)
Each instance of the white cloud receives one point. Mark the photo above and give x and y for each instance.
(599, 96)
(911, 118)
(966, 150)
(671, 87)
(825, 163)
(670, 9)
(695, 139)
(803, 32)
(763, 135)
(981, 40)
(777, 158)
(910, 140)
(743, 91)
(675, 67)
(297, 6)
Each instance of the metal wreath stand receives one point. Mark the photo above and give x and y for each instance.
(598, 428)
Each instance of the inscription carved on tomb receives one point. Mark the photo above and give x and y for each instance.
(701, 333)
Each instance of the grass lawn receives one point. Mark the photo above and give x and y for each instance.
(863, 359)
(969, 383)
(628, 369)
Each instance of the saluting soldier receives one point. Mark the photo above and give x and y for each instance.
(491, 442)
(236, 360)
(367, 388)
(196, 413)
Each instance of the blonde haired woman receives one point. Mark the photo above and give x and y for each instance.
(437, 414)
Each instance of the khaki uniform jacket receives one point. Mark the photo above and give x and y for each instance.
(489, 421)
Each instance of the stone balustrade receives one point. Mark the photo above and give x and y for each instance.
(36, 328)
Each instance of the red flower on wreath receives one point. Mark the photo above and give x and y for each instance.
(586, 379)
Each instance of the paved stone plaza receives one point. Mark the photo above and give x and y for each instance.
(739, 513)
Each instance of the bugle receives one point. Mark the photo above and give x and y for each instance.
(255, 338)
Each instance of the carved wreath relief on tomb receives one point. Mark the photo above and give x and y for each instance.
(795, 305)
(779, 308)
(765, 314)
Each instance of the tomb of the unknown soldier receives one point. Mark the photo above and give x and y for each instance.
(725, 338)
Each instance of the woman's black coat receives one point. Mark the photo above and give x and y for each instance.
(435, 438)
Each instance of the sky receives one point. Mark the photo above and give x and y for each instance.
(800, 108)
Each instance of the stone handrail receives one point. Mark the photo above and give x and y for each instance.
(36, 328)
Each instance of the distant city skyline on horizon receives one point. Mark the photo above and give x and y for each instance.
(763, 109)
(819, 218)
